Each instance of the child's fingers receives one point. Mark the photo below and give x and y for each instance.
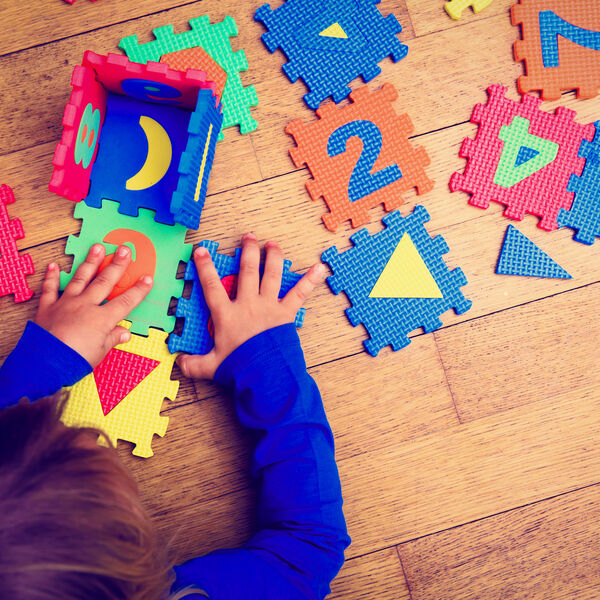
(214, 293)
(118, 308)
(119, 335)
(296, 297)
(271, 279)
(248, 279)
(103, 284)
(198, 367)
(86, 271)
(50, 286)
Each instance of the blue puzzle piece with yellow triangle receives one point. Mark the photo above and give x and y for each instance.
(396, 280)
(520, 256)
(331, 42)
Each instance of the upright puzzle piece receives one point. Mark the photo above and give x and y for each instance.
(135, 417)
(522, 157)
(389, 320)
(520, 256)
(360, 156)
(237, 100)
(331, 42)
(13, 267)
(157, 250)
(455, 7)
(584, 215)
(196, 337)
(560, 46)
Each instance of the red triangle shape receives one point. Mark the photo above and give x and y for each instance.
(118, 374)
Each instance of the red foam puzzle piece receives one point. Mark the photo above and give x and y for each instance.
(544, 192)
(13, 267)
(118, 374)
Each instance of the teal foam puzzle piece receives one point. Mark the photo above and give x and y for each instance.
(166, 240)
(214, 38)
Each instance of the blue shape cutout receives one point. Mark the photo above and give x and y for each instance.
(525, 155)
(328, 65)
(520, 256)
(362, 181)
(390, 320)
(584, 215)
(195, 337)
(551, 26)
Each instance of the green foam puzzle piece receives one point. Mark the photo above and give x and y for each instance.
(214, 38)
(168, 240)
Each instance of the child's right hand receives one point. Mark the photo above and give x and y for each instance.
(256, 308)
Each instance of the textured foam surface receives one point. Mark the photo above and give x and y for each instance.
(455, 7)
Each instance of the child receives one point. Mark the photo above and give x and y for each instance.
(71, 524)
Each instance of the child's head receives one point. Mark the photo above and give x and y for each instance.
(71, 523)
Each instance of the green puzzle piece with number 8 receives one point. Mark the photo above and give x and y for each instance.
(156, 251)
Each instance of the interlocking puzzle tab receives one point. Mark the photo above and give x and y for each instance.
(455, 7)
(13, 267)
(360, 156)
(197, 334)
(157, 250)
(394, 291)
(522, 157)
(520, 256)
(560, 46)
(584, 215)
(214, 38)
(131, 129)
(124, 395)
(329, 43)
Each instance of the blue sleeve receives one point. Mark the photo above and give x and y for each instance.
(302, 535)
(39, 366)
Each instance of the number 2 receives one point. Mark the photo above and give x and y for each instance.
(551, 26)
(362, 181)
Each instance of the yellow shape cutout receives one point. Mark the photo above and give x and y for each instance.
(203, 165)
(455, 7)
(406, 275)
(334, 31)
(158, 160)
(137, 417)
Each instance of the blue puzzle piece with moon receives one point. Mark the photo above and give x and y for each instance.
(396, 280)
(331, 42)
(197, 334)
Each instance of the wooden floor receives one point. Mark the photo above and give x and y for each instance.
(469, 460)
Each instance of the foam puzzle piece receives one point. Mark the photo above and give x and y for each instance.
(584, 215)
(214, 38)
(360, 156)
(329, 43)
(560, 46)
(13, 267)
(520, 256)
(196, 337)
(388, 321)
(455, 7)
(136, 418)
(163, 243)
(539, 190)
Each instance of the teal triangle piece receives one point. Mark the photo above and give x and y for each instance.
(525, 155)
(520, 256)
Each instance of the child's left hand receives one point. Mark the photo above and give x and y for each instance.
(77, 317)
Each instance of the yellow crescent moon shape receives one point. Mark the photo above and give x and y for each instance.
(160, 154)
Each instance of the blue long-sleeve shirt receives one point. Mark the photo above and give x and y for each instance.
(299, 546)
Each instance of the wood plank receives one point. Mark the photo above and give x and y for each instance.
(546, 551)
(378, 575)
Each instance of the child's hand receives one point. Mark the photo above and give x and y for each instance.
(76, 318)
(256, 308)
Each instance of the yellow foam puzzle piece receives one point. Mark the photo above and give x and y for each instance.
(406, 275)
(335, 31)
(137, 417)
(455, 7)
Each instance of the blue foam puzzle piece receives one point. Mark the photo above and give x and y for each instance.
(328, 64)
(195, 337)
(388, 321)
(584, 215)
(525, 155)
(520, 256)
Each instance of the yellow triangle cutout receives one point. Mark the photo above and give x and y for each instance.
(334, 31)
(406, 275)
